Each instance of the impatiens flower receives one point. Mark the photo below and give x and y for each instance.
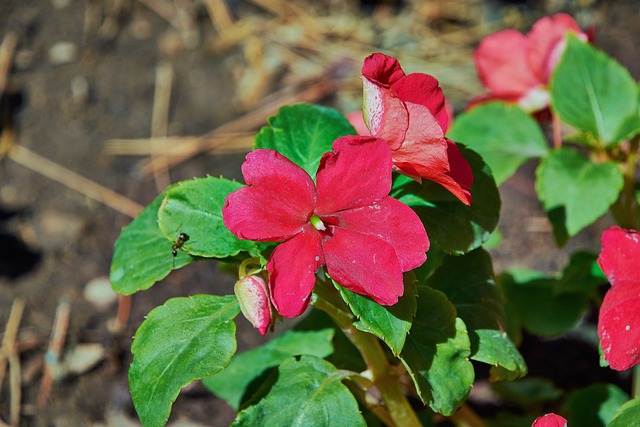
(345, 221)
(516, 68)
(410, 114)
(253, 298)
(619, 319)
(550, 420)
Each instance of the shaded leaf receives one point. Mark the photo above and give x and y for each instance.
(593, 406)
(527, 392)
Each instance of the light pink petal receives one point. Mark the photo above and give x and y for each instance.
(276, 203)
(253, 298)
(619, 325)
(502, 64)
(395, 223)
(382, 69)
(423, 89)
(384, 113)
(620, 255)
(547, 41)
(357, 173)
(364, 264)
(357, 121)
(292, 268)
(550, 420)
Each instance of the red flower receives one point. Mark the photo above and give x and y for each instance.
(346, 221)
(516, 68)
(550, 420)
(409, 112)
(619, 320)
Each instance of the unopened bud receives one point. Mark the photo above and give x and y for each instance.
(253, 297)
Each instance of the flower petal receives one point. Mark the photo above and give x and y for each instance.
(424, 89)
(550, 420)
(395, 223)
(620, 255)
(364, 264)
(502, 64)
(619, 325)
(382, 69)
(292, 268)
(357, 173)
(384, 113)
(276, 203)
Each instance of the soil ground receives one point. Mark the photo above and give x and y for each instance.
(99, 85)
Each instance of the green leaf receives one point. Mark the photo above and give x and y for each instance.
(390, 324)
(582, 275)
(453, 226)
(303, 133)
(194, 207)
(307, 392)
(504, 135)
(142, 254)
(594, 406)
(233, 383)
(468, 282)
(574, 191)
(181, 341)
(436, 353)
(628, 415)
(592, 92)
(527, 392)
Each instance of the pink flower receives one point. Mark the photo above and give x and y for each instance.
(550, 420)
(345, 221)
(409, 112)
(619, 319)
(516, 68)
(253, 298)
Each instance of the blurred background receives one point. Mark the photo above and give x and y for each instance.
(106, 102)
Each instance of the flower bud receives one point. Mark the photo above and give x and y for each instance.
(253, 297)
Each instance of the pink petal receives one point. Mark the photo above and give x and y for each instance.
(550, 420)
(502, 64)
(382, 69)
(276, 203)
(364, 264)
(619, 325)
(253, 298)
(292, 268)
(395, 223)
(423, 89)
(384, 113)
(357, 121)
(620, 255)
(357, 173)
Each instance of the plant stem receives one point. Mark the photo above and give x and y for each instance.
(383, 374)
(635, 386)
(466, 417)
(556, 131)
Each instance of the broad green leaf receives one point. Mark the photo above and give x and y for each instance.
(233, 383)
(593, 406)
(504, 135)
(436, 353)
(307, 392)
(194, 207)
(468, 282)
(527, 392)
(574, 191)
(142, 254)
(628, 415)
(390, 324)
(453, 226)
(592, 92)
(179, 342)
(582, 275)
(303, 133)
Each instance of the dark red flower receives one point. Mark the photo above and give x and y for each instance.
(345, 221)
(516, 68)
(409, 112)
(619, 319)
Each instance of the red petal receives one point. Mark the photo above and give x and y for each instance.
(395, 223)
(384, 113)
(364, 264)
(382, 69)
(357, 173)
(292, 268)
(424, 89)
(502, 65)
(620, 255)
(550, 420)
(460, 172)
(276, 203)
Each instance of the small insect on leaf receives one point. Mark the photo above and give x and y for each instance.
(182, 238)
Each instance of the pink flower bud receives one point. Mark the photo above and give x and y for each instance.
(253, 297)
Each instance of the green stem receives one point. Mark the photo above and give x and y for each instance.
(635, 386)
(466, 417)
(383, 375)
